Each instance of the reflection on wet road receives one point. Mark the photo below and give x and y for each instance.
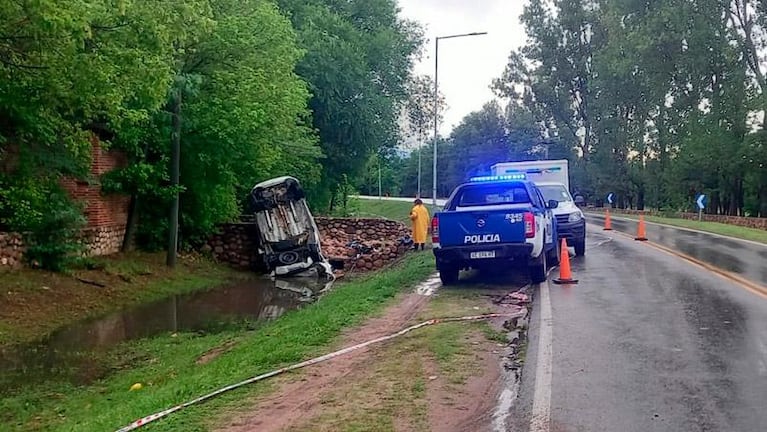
(70, 349)
(648, 342)
(747, 259)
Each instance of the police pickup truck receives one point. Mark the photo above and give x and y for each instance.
(495, 221)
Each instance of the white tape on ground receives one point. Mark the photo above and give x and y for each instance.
(541, 416)
(156, 416)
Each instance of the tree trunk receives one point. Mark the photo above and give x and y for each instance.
(131, 224)
(175, 162)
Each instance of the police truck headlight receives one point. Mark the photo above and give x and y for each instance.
(575, 217)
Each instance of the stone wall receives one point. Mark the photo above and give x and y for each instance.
(104, 240)
(98, 241)
(380, 235)
(748, 222)
(11, 250)
(235, 244)
(374, 243)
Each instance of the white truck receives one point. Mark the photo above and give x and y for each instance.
(553, 180)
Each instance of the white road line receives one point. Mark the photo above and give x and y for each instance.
(541, 418)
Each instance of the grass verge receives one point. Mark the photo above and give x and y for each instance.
(408, 376)
(735, 231)
(167, 366)
(394, 210)
(36, 302)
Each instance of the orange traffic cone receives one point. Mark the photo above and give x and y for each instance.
(565, 275)
(608, 222)
(641, 233)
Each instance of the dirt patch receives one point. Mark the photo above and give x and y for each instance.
(215, 352)
(301, 399)
(467, 407)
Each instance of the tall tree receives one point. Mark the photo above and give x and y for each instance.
(359, 56)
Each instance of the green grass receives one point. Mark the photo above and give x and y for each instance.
(167, 368)
(390, 392)
(735, 231)
(394, 210)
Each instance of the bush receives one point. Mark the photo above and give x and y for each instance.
(50, 222)
(54, 239)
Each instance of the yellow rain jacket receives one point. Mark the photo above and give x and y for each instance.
(419, 215)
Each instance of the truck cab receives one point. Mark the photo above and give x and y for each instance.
(492, 222)
(571, 224)
(552, 178)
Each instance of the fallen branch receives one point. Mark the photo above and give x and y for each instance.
(90, 282)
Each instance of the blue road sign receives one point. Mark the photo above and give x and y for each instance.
(701, 201)
(610, 197)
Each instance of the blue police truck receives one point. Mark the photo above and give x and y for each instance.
(495, 221)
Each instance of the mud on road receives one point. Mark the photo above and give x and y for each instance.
(444, 378)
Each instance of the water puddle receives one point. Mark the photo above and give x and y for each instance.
(72, 352)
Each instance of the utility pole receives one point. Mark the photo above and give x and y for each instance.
(175, 163)
(436, 106)
(420, 150)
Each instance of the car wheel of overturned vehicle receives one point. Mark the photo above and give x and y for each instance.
(288, 258)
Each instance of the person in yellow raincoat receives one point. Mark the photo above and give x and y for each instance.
(419, 216)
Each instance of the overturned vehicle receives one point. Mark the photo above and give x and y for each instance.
(289, 238)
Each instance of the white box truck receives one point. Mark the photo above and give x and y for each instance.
(553, 179)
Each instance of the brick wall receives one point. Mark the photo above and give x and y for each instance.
(106, 215)
(101, 211)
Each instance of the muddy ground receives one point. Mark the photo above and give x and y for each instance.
(446, 377)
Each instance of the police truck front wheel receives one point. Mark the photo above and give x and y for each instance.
(580, 247)
(449, 274)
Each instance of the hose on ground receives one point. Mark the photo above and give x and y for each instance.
(156, 416)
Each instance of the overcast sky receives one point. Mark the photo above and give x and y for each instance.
(468, 65)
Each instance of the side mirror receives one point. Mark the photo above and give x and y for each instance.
(579, 200)
(552, 204)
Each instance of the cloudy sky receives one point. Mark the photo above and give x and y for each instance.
(468, 65)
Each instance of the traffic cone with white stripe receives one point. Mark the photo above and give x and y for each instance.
(565, 274)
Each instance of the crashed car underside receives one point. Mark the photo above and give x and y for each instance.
(288, 234)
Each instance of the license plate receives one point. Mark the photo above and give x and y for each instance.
(482, 255)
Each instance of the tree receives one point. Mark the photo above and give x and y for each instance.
(244, 120)
(359, 56)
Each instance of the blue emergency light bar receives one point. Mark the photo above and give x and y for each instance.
(498, 178)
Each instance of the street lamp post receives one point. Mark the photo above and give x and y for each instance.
(436, 103)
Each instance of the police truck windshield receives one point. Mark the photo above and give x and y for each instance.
(483, 195)
(555, 192)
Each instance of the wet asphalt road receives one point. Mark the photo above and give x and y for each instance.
(748, 259)
(649, 342)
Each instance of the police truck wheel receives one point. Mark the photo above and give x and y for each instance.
(538, 270)
(449, 274)
(554, 255)
(580, 247)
